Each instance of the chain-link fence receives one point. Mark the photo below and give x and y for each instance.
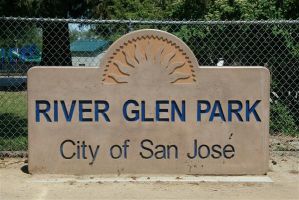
(28, 42)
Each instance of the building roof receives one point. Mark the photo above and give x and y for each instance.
(89, 45)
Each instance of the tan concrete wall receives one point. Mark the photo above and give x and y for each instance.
(148, 66)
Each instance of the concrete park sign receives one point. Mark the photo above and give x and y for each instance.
(148, 109)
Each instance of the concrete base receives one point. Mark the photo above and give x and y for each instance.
(177, 179)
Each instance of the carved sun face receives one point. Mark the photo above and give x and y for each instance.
(148, 61)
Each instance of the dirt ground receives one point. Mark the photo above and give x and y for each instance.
(15, 183)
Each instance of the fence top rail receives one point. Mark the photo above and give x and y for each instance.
(167, 22)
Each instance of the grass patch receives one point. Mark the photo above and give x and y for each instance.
(13, 121)
(14, 144)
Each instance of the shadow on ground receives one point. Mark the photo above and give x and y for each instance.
(25, 169)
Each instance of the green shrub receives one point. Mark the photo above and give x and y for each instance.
(282, 120)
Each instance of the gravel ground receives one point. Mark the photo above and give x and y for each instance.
(16, 183)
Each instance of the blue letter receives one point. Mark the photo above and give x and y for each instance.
(38, 111)
(143, 117)
(181, 114)
(216, 106)
(55, 110)
(136, 112)
(102, 111)
(236, 111)
(200, 110)
(68, 116)
(252, 110)
(82, 110)
(158, 110)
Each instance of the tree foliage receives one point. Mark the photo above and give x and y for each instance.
(195, 9)
(132, 9)
(252, 9)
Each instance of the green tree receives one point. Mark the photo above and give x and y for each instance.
(190, 9)
(252, 9)
(133, 9)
